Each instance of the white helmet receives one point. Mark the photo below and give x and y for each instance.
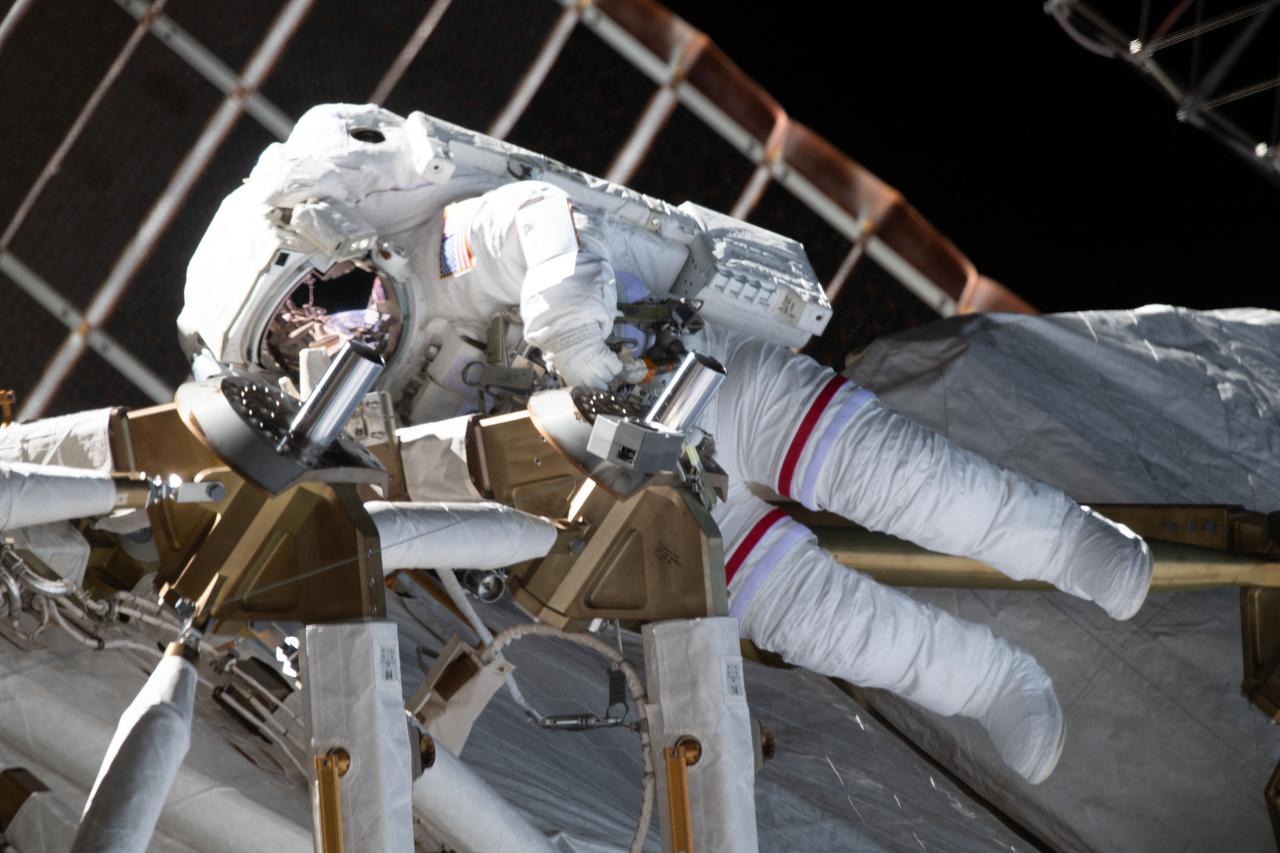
(260, 288)
(306, 253)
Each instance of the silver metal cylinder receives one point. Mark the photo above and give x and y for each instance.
(695, 382)
(330, 405)
(486, 585)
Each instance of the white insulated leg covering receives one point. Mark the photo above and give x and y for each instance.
(37, 494)
(794, 599)
(695, 682)
(818, 614)
(351, 683)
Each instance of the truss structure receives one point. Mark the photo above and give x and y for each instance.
(1219, 62)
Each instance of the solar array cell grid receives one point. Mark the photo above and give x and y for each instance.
(587, 106)
(94, 384)
(114, 174)
(28, 339)
(689, 161)
(473, 60)
(39, 114)
(872, 303)
(230, 29)
(340, 53)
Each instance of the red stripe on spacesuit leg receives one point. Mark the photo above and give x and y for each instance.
(752, 539)
(807, 425)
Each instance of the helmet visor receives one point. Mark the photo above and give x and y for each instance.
(325, 310)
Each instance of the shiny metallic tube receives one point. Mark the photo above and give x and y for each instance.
(331, 403)
(695, 382)
(487, 586)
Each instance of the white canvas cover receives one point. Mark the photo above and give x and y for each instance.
(354, 701)
(62, 704)
(1156, 405)
(696, 688)
(79, 440)
(58, 545)
(840, 781)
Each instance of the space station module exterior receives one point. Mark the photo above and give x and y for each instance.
(459, 230)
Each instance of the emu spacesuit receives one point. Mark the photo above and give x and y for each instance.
(479, 243)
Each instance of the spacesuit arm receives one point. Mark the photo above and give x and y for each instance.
(568, 295)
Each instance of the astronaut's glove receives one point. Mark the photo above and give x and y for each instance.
(635, 371)
(590, 364)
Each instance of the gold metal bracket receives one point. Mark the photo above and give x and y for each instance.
(16, 785)
(1260, 630)
(654, 554)
(310, 554)
(1194, 547)
(686, 753)
(1220, 527)
(329, 768)
(7, 399)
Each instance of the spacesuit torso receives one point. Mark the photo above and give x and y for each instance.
(559, 270)
(463, 228)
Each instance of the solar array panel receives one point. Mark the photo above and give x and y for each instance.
(129, 121)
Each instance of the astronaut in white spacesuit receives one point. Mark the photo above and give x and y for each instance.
(443, 244)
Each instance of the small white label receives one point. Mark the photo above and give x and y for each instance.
(388, 664)
(791, 307)
(735, 682)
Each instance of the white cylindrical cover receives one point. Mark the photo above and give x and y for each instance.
(141, 762)
(434, 535)
(61, 709)
(78, 440)
(696, 684)
(434, 456)
(461, 810)
(38, 494)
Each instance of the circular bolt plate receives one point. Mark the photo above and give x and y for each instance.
(591, 402)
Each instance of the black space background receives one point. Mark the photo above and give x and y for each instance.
(1059, 173)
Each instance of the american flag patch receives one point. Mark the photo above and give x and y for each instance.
(455, 243)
